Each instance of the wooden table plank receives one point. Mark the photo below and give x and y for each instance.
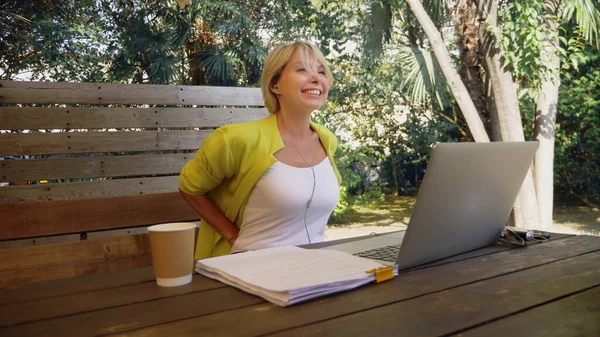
(458, 308)
(268, 318)
(23, 312)
(576, 315)
(38, 291)
(127, 317)
(493, 249)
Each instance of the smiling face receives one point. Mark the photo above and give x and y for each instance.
(302, 85)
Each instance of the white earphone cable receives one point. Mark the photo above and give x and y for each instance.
(312, 168)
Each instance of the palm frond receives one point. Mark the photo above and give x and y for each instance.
(254, 52)
(254, 55)
(438, 10)
(161, 69)
(379, 30)
(147, 40)
(422, 77)
(587, 17)
(222, 66)
(236, 21)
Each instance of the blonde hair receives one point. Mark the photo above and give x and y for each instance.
(278, 59)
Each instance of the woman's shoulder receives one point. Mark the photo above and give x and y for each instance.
(243, 130)
(246, 135)
(246, 126)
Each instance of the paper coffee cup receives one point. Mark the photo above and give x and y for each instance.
(172, 247)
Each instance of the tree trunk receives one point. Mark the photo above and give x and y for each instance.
(545, 122)
(452, 78)
(471, 73)
(506, 103)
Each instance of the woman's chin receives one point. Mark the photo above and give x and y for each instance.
(314, 104)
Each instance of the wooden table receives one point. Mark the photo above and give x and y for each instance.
(549, 289)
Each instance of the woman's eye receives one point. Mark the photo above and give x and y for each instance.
(301, 70)
(322, 72)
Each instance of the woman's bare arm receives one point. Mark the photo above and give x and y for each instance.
(212, 215)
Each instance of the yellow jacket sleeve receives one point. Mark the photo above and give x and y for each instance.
(214, 162)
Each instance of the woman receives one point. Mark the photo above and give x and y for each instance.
(270, 182)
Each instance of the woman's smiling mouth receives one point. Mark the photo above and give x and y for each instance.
(312, 92)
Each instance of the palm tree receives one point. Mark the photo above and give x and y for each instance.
(206, 42)
(225, 48)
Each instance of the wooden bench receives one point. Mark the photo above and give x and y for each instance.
(86, 167)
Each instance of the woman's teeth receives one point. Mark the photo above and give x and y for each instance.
(313, 92)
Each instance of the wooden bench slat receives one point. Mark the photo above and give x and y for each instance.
(94, 142)
(141, 134)
(92, 166)
(72, 216)
(38, 241)
(16, 118)
(40, 263)
(112, 93)
(87, 190)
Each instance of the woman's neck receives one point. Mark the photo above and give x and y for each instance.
(296, 125)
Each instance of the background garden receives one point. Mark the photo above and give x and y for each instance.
(390, 102)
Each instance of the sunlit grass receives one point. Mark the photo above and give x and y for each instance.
(397, 210)
(392, 210)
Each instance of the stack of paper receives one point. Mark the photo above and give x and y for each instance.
(288, 275)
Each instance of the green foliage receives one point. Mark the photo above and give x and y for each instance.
(586, 15)
(577, 161)
(373, 194)
(58, 40)
(423, 78)
(147, 37)
(342, 207)
(393, 39)
(380, 29)
(524, 36)
(528, 27)
(572, 52)
(384, 134)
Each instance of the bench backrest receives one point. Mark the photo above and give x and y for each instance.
(80, 159)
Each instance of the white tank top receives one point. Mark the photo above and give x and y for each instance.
(274, 213)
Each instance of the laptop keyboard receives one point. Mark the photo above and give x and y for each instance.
(387, 253)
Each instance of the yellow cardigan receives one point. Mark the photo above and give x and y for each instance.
(230, 163)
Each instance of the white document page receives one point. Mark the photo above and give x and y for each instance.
(290, 268)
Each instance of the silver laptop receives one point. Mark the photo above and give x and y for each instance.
(466, 197)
